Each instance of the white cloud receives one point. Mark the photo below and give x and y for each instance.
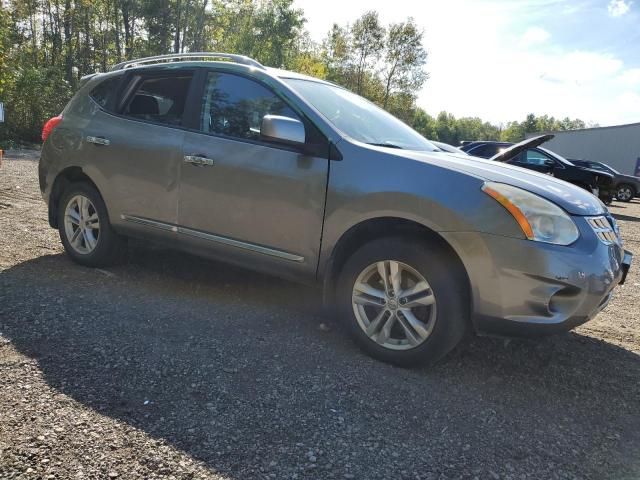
(618, 8)
(534, 36)
(630, 77)
(486, 69)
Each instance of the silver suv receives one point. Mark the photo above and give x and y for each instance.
(220, 156)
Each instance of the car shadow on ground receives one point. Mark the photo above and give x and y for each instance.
(231, 367)
(627, 218)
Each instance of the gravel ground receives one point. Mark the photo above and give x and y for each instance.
(174, 367)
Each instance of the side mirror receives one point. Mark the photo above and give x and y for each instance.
(282, 129)
(549, 164)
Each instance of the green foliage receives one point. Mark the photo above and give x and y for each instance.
(34, 95)
(448, 129)
(46, 46)
(516, 131)
(383, 64)
(405, 57)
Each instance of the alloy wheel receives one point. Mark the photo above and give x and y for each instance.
(624, 194)
(81, 224)
(394, 305)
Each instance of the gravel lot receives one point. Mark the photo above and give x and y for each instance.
(175, 367)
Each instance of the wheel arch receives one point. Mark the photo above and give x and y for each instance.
(66, 177)
(376, 228)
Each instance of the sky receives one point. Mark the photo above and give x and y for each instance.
(500, 60)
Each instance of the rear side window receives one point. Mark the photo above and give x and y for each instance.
(159, 99)
(103, 92)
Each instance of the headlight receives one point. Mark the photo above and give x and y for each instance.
(538, 218)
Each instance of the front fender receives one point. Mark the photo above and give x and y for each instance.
(379, 185)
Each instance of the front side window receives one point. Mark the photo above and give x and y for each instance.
(358, 118)
(234, 106)
(535, 158)
(160, 99)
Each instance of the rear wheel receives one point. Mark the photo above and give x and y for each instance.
(625, 193)
(84, 228)
(404, 301)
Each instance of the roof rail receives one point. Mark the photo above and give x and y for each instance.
(185, 56)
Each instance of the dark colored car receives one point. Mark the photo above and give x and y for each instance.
(626, 186)
(445, 147)
(484, 148)
(599, 182)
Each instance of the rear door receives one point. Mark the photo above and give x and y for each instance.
(135, 149)
(249, 200)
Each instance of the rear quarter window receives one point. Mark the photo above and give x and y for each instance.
(104, 91)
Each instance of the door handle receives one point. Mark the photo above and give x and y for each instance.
(198, 160)
(98, 140)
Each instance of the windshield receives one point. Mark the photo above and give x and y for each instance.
(358, 118)
(607, 168)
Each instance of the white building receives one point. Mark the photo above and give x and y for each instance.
(617, 146)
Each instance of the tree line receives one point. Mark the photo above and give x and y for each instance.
(46, 46)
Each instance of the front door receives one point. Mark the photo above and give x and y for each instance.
(535, 160)
(245, 199)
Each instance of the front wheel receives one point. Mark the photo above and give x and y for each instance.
(404, 301)
(625, 193)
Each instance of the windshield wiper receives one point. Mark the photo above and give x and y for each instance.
(389, 145)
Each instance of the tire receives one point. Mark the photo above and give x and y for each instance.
(607, 198)
(625, 192)
(95, 247)
(444, 321)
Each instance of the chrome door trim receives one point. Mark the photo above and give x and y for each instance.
(198, 160)
(214, 238)
(244, 245)
(149, 223)
(98, 140)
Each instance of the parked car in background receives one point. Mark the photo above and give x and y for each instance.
(483, 149)
(445, 147)
(626, 187)
(598, 182)
(275, 171)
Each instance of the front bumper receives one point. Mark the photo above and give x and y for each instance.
(520, 287)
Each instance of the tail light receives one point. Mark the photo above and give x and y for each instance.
(50, 125)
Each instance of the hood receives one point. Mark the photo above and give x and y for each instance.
(574, 200)
(630, 178)
(599, 173)
(508, 153)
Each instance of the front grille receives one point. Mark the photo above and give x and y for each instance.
(605, 229)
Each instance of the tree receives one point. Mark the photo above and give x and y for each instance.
(50, 44)
(405, 58)
(336, 55)
(367, 43)
(424, 124)
(5, 42)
